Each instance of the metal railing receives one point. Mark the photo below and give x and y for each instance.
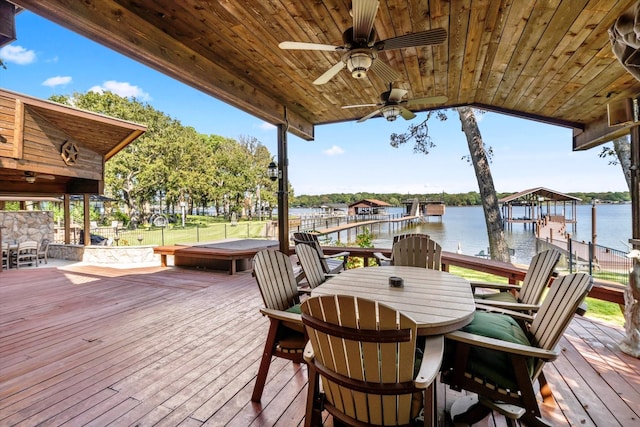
(601, 262)
(168, 236)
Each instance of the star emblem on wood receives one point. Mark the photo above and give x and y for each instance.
(69, 152)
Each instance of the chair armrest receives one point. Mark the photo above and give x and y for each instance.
(432, 355)
(496, 286)
(308, 352)
(339, 254)
(504, 346)
(381, 258)
(515, 306)
(517, 315)
(282, 315)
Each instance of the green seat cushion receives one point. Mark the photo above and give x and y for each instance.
(295, 309)
(492, 364)
(498, 296)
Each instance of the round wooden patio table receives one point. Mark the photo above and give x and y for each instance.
(438, 301)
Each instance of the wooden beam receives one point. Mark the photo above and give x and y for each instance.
(119, 29)
(7, 22)
(283, 190)
(635, 184)
(598, 133)
(18, 130)
(87, 219)
(67, 218)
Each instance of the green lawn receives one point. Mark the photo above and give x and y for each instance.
(596, 309)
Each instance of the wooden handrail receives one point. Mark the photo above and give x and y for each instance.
(605, 291)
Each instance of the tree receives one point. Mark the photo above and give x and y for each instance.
(622, 152)
(479, 157)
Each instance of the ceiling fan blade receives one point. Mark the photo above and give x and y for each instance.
(329, 74)
(45, 176)
(383, 71)
(368, 116)
(423, 38)
(364, 14)
(428, 100)
(406, 114)
(396, 95)
(309, 46)
(361, 105)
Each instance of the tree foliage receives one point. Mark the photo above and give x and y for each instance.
(171, 164)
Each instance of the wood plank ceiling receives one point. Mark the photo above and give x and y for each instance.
(549, 60)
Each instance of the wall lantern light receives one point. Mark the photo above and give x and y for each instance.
(272, 171)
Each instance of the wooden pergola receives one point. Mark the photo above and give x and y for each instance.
(49, 149)
(545, 61)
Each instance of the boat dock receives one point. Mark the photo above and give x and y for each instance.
(603, 258)
(351, 229)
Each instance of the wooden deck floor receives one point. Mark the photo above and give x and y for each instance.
(98, 346)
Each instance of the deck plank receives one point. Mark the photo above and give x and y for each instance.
(170, 346)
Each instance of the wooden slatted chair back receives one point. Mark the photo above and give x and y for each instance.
(557, 310)
(331, 264)
(274, 273)
(417, 251)
(312, 240)
(5, 255)
(27, 253)
(311, 265)
(538, 276)
(360, 351)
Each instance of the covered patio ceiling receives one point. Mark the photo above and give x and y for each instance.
(543, 60)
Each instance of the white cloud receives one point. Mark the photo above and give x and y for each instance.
(17, 55)
(124, 89)
(266, 126)
(335, 150)
(57, 81)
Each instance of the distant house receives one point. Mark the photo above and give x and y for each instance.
(369, 207)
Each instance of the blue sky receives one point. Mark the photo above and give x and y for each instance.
(47, 59)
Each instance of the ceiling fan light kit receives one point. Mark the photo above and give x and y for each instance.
(359, 62)
(391, 112)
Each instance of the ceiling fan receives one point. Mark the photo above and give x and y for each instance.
(31, 177)
(360, 49)
(392, 105)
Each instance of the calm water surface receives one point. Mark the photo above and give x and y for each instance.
(465, 226)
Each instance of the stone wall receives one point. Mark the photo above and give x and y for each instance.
(21, 226)
(98, 254)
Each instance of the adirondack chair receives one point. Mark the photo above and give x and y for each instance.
(286, 338)
(331, 264)
(311, 265)
(417, 251)
(500, 361)
(362, 363)
(43, 249)
(384, 260)
(26, 254)
(526, 297)
(5, 256)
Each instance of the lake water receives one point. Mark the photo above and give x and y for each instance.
(465, 226)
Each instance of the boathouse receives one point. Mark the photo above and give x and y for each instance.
(368, 207)
(536, 205)
(427, 208)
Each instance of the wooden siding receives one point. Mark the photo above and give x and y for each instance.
(545, 60)
(101, 346)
